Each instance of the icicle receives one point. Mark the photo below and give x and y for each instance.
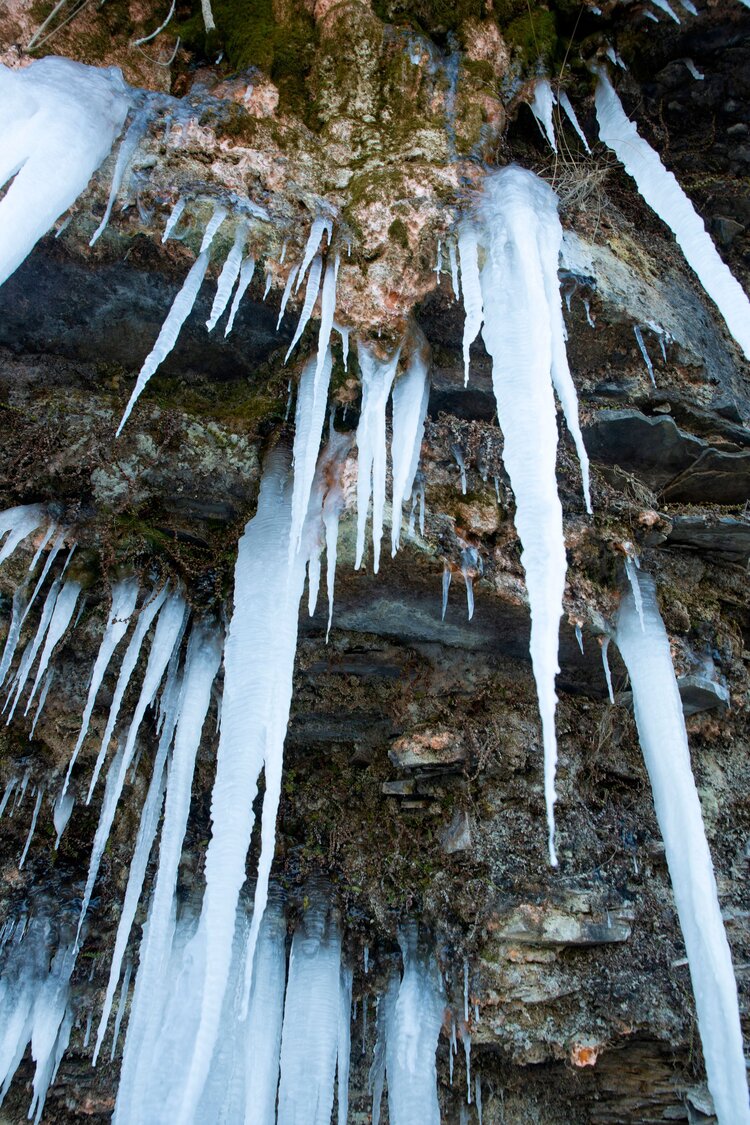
(308, 421)
(327, 310)
(364, 1025)
(267, 287)
(246, 276)
(478, 1097)
(693, 69)
(409, 397)
(579, 636)
(366, 959)
(61, 815)
(470, 287)
(310, 1035)
(286, 294)
(43, 543)
(264, 1021)
(229, 274)
(446, 587)
(631, 570)
(689, 6)
(344, 1047)
(470, 561)
(344, 334)
(124, 595)
(451, 1050)
(311, 296)
(174, 218)
(453, 259)
(32, 648)
(667, 8)
(87, 1034)
(605, 663)
(129, 661)
(179, 312)
(340, 445)
(459, 456)
(64, 606)
(541, 107)
(570, 113)
(661, 730)
(644, 352)
(439, 261)
(135, 133)
(377, 379)
(376, 1077)
(32, 827)
(319, 226)
(282, 255)
(467, 1056)
(56, 548)
(121, 1008)
(7, 794)
(60, 120)
(14, 631)
(42, 700)
(466, 990)
(664, 195)
(19, 522)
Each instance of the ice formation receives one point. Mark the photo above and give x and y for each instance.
(135, 133)
(409, 396)
(247, 269)
(60, 119)
(519, 230)
(230, 271)
(542, 107)
(644, 646)
(664, 195)
(570, 113)
(377, 380)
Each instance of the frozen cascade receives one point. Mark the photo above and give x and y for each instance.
(308, 430)
(247, 269)
(181, 308)
(258, 665)
(411, 1035)
(471, 289)
(664, 195)
(344, 1045)
(311, 296)
(409, 398)
(19, 522)
(521, 235)
(124, 595)
(309, 1041)
(572, 117)
(661, 730)
(191, 708)
(64, 608)
(167, 633)
(377, 379)
(60, 119)
(127, 667)
(229, 274)
(542, 107)
(135, 133)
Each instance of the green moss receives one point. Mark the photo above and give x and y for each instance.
(398, 233)
(534, 36)
(433, 17)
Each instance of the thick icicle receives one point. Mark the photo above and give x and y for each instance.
(308, 430)
(664, 195)
(519, 227)
(309, 1039)
(572, 117)
(129, 661)
(135, 132)
(124, 595)
(409, 398)
(60, 119)
(661, 730)
(541, 107)
(344, 1046)
(18, 522)
(32, 648)
(64, 607)
(311, 296)
(319, 226)
(181, 308)
(258, 663)
(264, 1020)
(377, 379)
(229, 273)
(174, 217)
(247, 269)
(472, 293)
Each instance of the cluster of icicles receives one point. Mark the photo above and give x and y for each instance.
(66, 116)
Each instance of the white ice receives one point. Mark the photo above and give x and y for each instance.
(320, 225)
(32, 648)
(666, 7)
(572, 117)
(542, 107)
(181, 308)
(19, 522)
(312, 398)
(59, 120)
(471, 289)
(64, 608)
(661, 730)
(174, 217)
(247, 269)
(344, 1046)
(135, 132)
(664, 195)
(409, 398)
(377, 378)
(229, 273)
(311, 296)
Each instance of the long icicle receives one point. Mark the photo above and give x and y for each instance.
(229, 274)
(311, 296)
(410, 395)
(246, 276)
(63, 611)
(377, 380)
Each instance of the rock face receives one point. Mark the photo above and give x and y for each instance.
(413, 758)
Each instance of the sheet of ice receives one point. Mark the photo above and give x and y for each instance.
(181, 308)
(412, 1029)
(65, 605)
(542, 107)
(377, 379)
(409, 399)
(124, 596)
(147, 614)
(523, 334)
(247, 270)
(664, 195)
(471, 289)
(19, 522)
(309, 1040)
(135, 133)
(311, 296)
(572, 117)
(60, 119)
(661, 730)
(229, 273)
